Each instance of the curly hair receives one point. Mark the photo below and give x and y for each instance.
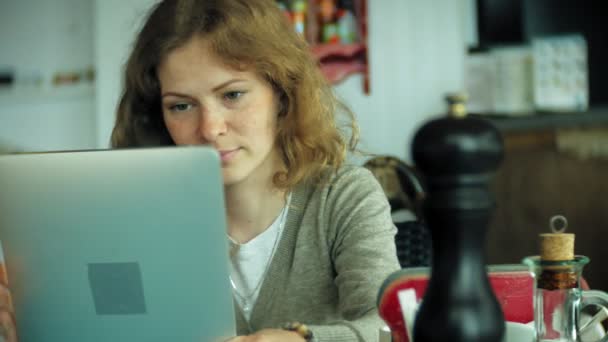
(245, 34)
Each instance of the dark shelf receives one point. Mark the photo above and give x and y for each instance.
(597, 116)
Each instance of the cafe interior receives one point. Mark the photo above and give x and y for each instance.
(529, 75)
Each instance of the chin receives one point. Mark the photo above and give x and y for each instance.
(231, 177)
(236, 173)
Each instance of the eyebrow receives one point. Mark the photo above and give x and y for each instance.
(223, 85)
(229, 82)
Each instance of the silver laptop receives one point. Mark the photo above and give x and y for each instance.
(123, 245)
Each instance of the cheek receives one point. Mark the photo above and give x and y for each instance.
(259, 119)
(169, 124)
(177, 130)
(263, 127)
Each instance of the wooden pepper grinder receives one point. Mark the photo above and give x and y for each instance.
(457, 156)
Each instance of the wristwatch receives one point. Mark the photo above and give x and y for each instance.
(300, 329)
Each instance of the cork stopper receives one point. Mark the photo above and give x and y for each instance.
(557, 246)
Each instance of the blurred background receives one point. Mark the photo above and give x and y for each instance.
(65, 59)
(535, 68)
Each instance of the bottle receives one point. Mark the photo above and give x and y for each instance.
(327, 19)
(327, 10)
(347, 30)
(457, 155)
(313, 27)
(558, 297)
(298, 14)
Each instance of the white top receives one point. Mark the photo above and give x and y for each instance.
(249, 262)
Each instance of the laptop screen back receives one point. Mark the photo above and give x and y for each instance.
(124, 245)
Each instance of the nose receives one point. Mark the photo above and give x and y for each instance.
(211, 126)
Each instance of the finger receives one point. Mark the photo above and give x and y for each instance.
(8, 332)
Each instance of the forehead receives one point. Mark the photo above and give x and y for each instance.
(196, 60)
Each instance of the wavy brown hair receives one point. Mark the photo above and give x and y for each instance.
(243, 33)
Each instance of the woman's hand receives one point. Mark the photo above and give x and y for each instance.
(8, 332)
(270, 335)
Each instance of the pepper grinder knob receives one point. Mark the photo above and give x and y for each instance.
(457, 155)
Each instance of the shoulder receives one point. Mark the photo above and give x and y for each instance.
(344, 174)
(351, 203)
(352, 178)
(350, 188)
(351, 172)
(344, 189)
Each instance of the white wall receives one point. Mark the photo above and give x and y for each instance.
(416, 51)
(38, 39)
(46, 36)
(48, 126)
(116, 25)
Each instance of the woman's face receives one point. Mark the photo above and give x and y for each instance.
(207, 102)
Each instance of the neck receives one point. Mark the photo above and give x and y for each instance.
(252, 206)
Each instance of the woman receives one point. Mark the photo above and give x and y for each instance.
(311, 238)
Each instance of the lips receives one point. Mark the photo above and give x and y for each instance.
(227, 155)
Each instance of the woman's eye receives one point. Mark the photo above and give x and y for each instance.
(233, 95)
(180, 107)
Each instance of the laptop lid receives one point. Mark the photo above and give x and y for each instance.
(122, 245)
